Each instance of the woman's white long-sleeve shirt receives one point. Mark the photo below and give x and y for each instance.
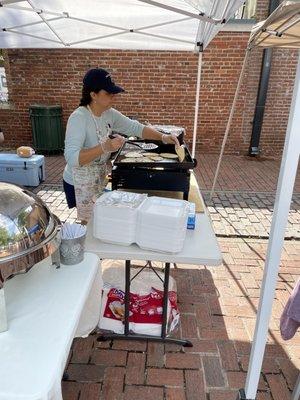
(81, 134)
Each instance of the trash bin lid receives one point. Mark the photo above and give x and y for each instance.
(44, 106)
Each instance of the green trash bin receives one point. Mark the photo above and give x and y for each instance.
(47, 128)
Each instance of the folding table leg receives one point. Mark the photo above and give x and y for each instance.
(165, 301)
(127, 297)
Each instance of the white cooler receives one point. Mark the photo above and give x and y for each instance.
(22, 171)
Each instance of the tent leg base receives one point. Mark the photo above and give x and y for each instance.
(242, 395)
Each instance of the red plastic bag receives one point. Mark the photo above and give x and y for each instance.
(145, 308)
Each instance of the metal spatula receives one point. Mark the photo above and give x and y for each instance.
(143, 146)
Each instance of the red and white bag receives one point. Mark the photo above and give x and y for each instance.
(146, 303)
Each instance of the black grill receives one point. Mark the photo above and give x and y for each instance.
(170, 175)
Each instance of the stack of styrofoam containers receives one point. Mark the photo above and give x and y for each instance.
(161, 224)
(115, 217)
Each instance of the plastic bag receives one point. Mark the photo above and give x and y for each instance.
(146, 302)
(117, 198)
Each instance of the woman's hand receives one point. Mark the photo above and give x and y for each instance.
(170, 139)
(112, 145)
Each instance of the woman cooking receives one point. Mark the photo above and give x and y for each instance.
(88, 145)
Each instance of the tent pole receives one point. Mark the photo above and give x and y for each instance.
(197, 101)
(287, 176)
(229, 122)
(296, 391)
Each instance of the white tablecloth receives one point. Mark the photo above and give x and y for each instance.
(46, 309)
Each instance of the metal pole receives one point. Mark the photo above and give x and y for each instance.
(3, 318)
(197, 102)
(296, 391)
(127, 296)
(262, 93)
(287, 176)
(165, 301)
(260, 102)
(200, 15)
(229, 122)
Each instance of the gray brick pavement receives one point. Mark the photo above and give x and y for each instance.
(233, 214)
(242, 206)
(218, 308)
(248, 214)
(54, 197)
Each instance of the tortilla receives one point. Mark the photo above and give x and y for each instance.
(156, 158)
(180, 151)
(128, 160)
(143, 159)
(150, 154)
(133, 154)
(169, 155)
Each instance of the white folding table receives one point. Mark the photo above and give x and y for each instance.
(200, 247)
(46, 308)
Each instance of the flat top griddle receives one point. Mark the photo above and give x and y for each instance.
(187, 163)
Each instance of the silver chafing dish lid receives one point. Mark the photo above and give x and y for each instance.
(27, 227)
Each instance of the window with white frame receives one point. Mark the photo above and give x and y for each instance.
(3, 82)
(247, 10)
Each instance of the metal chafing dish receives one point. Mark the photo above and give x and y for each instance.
(28, 234)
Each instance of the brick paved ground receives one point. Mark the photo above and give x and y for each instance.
(240, 173)
(245, 212)
(218, 304)
(234, 214)
(249, 214)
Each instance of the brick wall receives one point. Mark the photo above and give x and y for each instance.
(160, 88)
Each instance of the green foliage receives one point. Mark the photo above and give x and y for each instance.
(4, 237)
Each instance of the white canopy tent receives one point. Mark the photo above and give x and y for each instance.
(167, 25)
(186, 25)
(280, 29)
(113, 24)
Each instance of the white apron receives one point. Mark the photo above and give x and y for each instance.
(90, 180)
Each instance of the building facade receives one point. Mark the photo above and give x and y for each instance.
(160, 88)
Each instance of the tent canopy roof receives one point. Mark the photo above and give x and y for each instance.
(280, 29)
(113, 24)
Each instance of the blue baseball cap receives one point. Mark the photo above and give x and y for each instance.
(98, 78)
